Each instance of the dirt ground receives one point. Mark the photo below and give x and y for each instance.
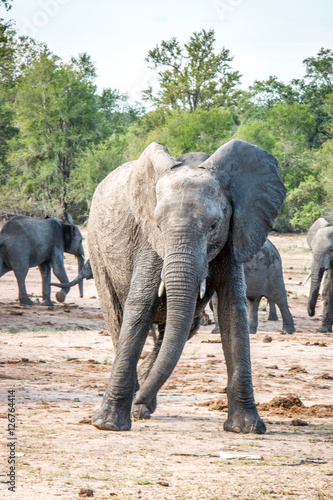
(59, 359)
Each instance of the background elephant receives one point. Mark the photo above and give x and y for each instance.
(320, 240)
(163, 234)
(28, 242)
(264, 278)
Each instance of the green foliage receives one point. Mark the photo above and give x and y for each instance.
(184, 131)
(303, 206)
(324, 157)
(60, 137)
(194, 76)
(57, 114)
(95, 164)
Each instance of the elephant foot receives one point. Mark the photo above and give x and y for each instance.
(245, 422)
(272, 317)
(60, 296)
(142, 411)
(112, 419)
(26, 302)
(290, 331)
(216, 329)
(325, 329)
(47, 302)
(252, 331)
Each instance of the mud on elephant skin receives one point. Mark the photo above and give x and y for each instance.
(320, 241)
(264, 278)
(28, 242)
(163, 234)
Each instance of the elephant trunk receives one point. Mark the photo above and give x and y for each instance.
(80, 260)
(182, 274)
(317, 272)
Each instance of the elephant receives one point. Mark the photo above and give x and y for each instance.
(320, 241)
(163, 234)
(264, 278)
(28, 242)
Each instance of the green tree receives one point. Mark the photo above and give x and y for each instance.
(91, 168)
(182, 132)
(194, 76)
(58, 116)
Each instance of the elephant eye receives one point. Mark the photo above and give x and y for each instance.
(214, 225)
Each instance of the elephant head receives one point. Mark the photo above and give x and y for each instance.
(320, 240)
(73, 245)
(191, 207)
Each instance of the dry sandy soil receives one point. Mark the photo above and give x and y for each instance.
(58, 360)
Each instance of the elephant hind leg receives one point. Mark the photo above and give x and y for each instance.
(110, 305)
(253, 314)
(21, 274)
(272, 316)
(143, 411)
(3, 267)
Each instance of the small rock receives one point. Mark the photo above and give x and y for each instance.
(298, 422)
(267, 339)
(76, 400)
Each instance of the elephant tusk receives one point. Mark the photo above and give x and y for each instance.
(203, 289)
(161, 289)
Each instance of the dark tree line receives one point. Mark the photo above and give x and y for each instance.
(60, 136)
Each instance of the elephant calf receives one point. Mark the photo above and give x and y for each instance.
(320, 240)
(28, 242)
(264, 278)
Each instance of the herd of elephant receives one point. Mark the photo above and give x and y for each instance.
(166, 236)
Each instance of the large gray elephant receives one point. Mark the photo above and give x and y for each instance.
(320, 240)
(28, 242)
(264, 278)
(163, 234)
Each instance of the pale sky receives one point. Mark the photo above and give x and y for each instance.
(266, 37)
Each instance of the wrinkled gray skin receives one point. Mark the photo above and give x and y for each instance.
(28, 242)
(264, 278)
(320, 240)
(180, 221)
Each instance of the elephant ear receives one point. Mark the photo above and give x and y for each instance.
(154, 161)
(251, 177)
(318, 224)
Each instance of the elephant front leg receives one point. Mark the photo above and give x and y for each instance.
(139, 312)
(60, 273)
(45, 271)
(232, 312)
